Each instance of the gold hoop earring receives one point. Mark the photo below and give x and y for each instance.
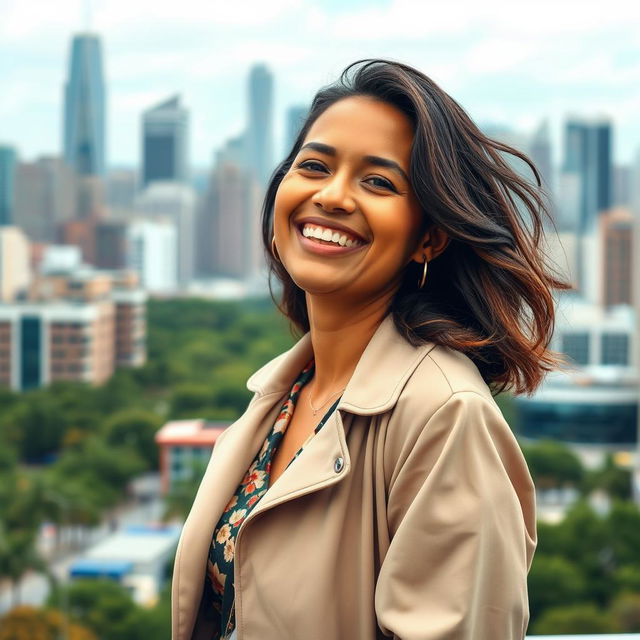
(274, 252)
(424, 273)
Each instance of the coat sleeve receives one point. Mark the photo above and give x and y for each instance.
(461, 517)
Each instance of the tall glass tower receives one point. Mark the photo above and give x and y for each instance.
(164, 142)
(7, 184)
(588, 154)
(84, 107)
(259, 141)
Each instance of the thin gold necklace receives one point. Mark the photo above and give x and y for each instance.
(320, 407)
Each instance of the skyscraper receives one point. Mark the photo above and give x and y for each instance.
(7, 184)
(295, 118)
(164, 142)
(84, 107)
(45, 197)
(540, 151)
(588, 151)
(229, 233)
(259, 141)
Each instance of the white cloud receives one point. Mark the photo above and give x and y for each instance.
(512, 65)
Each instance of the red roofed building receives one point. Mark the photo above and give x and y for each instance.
(182, 444)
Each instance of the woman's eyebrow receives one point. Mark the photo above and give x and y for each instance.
(375, 160)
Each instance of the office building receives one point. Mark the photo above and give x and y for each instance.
(15, 267)
(60, 258)
(82, 234)
(175, 202)
(616, 232)
(229, 235)
(540, 152)
(185, 444)
(259, 133)
(622, 176)
(136, 557)
(77, 326)
(45, 198)
(8, 160)
(84, 107)
(588, 155)
(296, 115)
(111, 244)
(56, 341)
(594, 400)
(152, 253)
(121, 189)
(165, 142)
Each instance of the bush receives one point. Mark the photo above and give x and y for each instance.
(577, 618)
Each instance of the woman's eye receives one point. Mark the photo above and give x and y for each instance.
(385, 184)
(312, 165)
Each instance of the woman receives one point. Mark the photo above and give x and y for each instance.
(373, 488)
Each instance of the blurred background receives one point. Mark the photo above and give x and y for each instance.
(136, 139)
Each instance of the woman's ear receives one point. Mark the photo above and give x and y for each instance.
(432, 244)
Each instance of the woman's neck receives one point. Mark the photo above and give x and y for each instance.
(339, 337)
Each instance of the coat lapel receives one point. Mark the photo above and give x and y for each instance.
(379, 377)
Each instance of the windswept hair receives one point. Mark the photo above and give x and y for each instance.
(488, 294)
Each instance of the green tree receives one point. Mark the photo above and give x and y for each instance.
(19, 555)
(35, 424)
(627, 578)
(611, 478)
(190, 400)
(587, 543)
(28, 623)
(135, 430)
(552, 464)
(577, 618)
(99, 604)
(624, 525)
(553, 579)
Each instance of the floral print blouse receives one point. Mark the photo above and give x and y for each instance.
(219, 583)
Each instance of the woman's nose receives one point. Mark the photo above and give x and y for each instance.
(334, 196)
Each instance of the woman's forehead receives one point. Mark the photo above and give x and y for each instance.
(360, 124)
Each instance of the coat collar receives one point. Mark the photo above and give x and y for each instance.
(379, 377)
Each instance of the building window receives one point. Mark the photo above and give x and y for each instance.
(615, 349)
(30, 352)
(576, 346)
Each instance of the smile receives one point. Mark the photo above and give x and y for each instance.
(326, 247)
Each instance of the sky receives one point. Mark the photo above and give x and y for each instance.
(505, 62)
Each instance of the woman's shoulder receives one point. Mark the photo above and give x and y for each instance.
(448, 386)
(444, 373)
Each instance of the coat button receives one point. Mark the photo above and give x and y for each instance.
(338, 465)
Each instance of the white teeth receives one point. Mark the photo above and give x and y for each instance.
(328, 235)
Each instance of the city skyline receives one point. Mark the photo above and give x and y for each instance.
(500, 67)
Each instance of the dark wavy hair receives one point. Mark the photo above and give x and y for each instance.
(488, 294)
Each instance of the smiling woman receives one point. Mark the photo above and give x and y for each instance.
(373, 488)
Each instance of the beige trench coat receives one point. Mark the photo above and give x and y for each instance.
(410, 514)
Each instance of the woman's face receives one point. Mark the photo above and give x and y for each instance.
(350, 179)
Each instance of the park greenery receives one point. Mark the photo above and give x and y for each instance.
(68, 453)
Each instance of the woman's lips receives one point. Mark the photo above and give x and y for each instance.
(319, 248)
